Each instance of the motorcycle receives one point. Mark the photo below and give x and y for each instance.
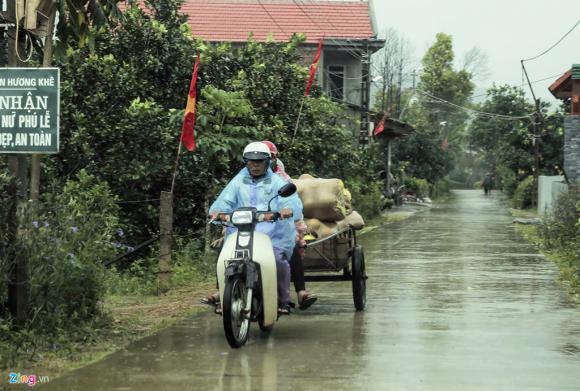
(246, 271)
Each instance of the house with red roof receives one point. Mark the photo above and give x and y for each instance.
(567, 88)
(347, 27)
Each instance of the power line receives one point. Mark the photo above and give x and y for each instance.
(272, 18)
(473, 111)
(554, 45)
(533, 82)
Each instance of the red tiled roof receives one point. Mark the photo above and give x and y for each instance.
(559, 87)
(233, 21)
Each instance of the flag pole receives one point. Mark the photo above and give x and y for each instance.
(175, 168)
(298, 119)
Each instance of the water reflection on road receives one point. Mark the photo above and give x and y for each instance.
(457, 301)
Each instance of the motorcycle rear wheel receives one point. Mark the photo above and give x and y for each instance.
(236, 324)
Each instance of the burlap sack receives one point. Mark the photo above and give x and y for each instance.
(322, 199)
(354, 219)
(320, 229)
(347, 201)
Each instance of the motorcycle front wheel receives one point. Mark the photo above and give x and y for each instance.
(236, 324)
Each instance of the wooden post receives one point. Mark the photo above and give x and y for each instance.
(165, 231)
(46, 63)
(18, 167)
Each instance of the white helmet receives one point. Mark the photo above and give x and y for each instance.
(256, 151)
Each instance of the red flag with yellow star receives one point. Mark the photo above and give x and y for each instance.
(314, 67)
(187, 135)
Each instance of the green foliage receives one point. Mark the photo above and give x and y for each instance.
(124, 106)
(506, 146)
(6, 206)
(67, 246)
(560, 231)
(418, 186)
(508, 179)
(435, 121)
(522, 198)
(561, 226)
(78, 19)
(441, 188)
(366, 197)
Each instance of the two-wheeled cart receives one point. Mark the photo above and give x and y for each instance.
(338, 253)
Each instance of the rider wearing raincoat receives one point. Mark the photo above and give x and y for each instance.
(254, 186)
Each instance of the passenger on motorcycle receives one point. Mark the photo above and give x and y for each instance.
(254, 186)
(305, 298)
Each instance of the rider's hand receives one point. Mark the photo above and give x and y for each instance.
(285, 213)
(213, 215)
(217, 243)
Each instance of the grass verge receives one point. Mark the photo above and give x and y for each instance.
(568, 275)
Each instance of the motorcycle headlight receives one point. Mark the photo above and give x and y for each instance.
(242, 217)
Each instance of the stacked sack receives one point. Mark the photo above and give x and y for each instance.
(327, 206)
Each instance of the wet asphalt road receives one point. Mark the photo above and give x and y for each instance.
(456, 301)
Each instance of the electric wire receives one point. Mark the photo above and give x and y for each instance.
(17, 38)
(473, 111)
(554, 45)
(533, 82)
(272, 18)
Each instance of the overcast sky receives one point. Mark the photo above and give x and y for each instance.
(506, 31)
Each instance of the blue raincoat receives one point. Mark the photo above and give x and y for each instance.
(244, 190)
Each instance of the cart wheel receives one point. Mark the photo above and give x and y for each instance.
(359, 284)
(236, 324)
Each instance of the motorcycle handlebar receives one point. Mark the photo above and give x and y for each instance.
(261, 216)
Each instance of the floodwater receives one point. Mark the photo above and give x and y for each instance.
(456, 301)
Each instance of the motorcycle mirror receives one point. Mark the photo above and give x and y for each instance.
(287, 190)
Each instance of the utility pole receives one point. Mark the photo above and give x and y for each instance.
(537, 123)
(364, 92)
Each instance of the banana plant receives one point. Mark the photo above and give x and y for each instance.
(76, 18)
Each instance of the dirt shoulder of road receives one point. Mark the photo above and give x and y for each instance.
(128, 318)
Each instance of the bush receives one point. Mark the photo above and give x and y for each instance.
(366, 198)
(418, 186)
(441, 188)
(560, 228)
(5, 207)
(522, 198)
(508, 180)
(66, 248)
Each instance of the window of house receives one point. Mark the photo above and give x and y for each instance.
(336, 81)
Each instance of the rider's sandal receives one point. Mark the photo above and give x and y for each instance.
(218, 309)
(210, 300)
(284, 309)
(307, 300)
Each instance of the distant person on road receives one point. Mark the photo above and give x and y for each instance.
(487, 184)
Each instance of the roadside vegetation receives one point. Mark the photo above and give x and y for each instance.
(558, 236)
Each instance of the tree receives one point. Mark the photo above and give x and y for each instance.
(78, 20)
(507, 144)
(123, 104)
(438, 117)
(393, 63)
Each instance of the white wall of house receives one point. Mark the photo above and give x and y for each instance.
(352, 73)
